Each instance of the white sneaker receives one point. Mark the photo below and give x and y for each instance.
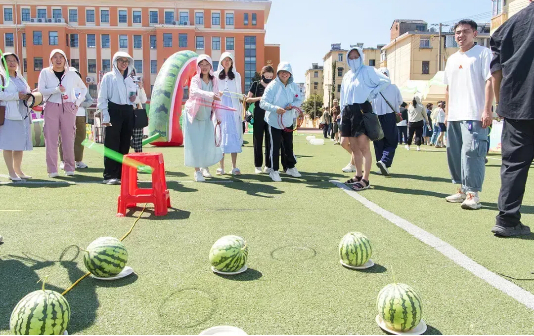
(418, 148)
(112, 181)
(267, 170)
(53, 175)
(407, 147)
(350, 168)
(236, 171)
(62, 165)
(199, 177)
(205, 172)
(293, 172)
(69, 173)
(81, 165)
(459, 197)
(220, 171)
(257, 170)
(383, 169)
(275, 176)
(472, 201)
(1, 239)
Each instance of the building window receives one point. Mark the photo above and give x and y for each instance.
(56, 13)
(215, 65)
(153, 42)
(250, 59)
(8, 14)
(426, 67)
(91, 41)
(199, 18)
(91, 65)
(138, 42)
(167, 40)
(75, 63)
(74, 40)
(182, 40)
(25, 14)
(339, 88)
(37, 63)
(315, 85)
(90, 15)
(497, 7)
(216, 43)
(9, 40)
(169, 18)
(200, 42)
(316, 74)
(123, 41)
(216, 19)
(340, 57)
(105, 40)
(229, 19)
(106, 65)
(52, 38)
(420, 28)
(104, 16)
(37, 38)
(230, 43)
(123, 16)
(138, 65)
(137, 16)
(245, 19)
(450, 42)
(24, 65)
(372, 62)
(424, 43)
(23, 39)
(73, 15)
(184, 18)
(153, 66)
(154, 17)
(93, 90)
(340, 72)
(41, 13)
(254, 19)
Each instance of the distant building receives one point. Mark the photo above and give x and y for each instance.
(314, 81)
(504, 9)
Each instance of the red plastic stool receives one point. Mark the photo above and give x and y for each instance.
(131, 194)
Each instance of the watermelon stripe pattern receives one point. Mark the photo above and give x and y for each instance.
(40, 313)
(105, 257)
(229, 254)
(400, 307)
(355, 249)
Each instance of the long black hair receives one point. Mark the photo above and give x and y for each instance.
(231, 75)
(209, 75)
(414, 102)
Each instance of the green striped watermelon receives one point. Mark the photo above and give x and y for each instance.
(355, 249)
(229, 254)
(43, 312)
(399, 306)
(105, 257)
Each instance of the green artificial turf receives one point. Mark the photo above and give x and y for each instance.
(295, 284)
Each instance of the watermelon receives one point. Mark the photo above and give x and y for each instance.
(167, 98)
(43, 312)
(399, 306)
(229, 254)
(355, 249)
(105, 257)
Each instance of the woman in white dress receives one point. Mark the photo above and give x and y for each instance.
(231, 121)
(15, 134)
(200, 149)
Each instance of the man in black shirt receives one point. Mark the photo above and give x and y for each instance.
(513, 74)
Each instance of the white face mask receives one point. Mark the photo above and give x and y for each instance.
(355, 63)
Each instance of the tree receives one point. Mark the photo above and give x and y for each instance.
(313, 106)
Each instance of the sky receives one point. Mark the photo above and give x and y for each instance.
(305, 29)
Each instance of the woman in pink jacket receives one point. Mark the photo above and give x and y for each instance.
(200, 149)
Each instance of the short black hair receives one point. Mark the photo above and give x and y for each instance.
(472, 23)
(404, 104)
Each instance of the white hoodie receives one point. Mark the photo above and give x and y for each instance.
(115, 88)
(48, 84)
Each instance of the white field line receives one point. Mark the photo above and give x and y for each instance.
(449, 251)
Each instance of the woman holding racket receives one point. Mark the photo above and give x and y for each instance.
(280, 102)
(200, 147)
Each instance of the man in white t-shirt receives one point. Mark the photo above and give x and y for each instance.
(468, 113)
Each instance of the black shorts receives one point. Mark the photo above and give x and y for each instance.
(442, 127)
(352, 124)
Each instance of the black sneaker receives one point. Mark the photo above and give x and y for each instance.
(382, 166)
(504, 231)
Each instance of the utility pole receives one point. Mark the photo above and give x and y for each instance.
(440, 60)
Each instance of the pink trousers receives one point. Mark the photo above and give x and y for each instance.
(59, 119)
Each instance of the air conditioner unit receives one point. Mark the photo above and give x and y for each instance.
(185, 23)
(41, 20)
(33, 20)
(60, 20)
(89, 79)
(175, 23)
(49, 20)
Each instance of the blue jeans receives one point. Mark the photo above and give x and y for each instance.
(385, 148)
(467, 144)
(435, 134)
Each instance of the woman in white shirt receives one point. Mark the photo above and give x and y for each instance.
(137, 133)
(440, 121)
(15, 133)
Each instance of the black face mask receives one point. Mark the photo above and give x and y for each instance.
(265, 80)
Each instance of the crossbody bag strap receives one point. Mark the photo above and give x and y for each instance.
(390, 106)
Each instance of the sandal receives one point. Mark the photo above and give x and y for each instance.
(220, 171)
(354, 180)
(362, 185)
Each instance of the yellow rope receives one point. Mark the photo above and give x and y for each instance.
(124, 237)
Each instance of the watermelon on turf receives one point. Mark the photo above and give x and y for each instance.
(43, 312)
(400, 307)
(105, 257)
(229, 254)
(355, 249)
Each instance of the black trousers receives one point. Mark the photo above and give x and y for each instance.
(403, 134)
(281, 141)
(326, 130)
(517, 154)
(260, 132)
(417, 129)
(385, 148)
(118, 137)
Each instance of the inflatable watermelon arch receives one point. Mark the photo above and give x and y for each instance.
(167, 98)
